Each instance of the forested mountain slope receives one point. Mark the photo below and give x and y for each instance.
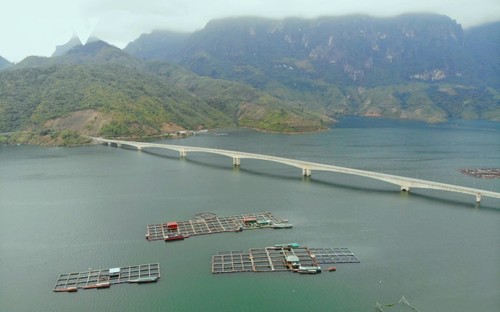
(417, 66)
(97, 89)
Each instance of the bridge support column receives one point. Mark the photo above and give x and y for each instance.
(109, 143)
(118, 145)
(306, 172)
(139, 148)
(236, 161)
(405, 188)
(183, 153)
(478, 197)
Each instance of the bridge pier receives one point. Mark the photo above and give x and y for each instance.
(404, 182)
(306, 172)
(139, 148)
(236, 161)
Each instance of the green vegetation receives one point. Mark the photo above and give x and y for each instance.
(34, 96)
(46, 137)
(139, 100)
(289, 75)
(392, 67)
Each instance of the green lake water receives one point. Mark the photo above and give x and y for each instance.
(69, 209)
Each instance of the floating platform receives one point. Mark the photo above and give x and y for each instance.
(209, 223)
(104, 278)
(279, 258)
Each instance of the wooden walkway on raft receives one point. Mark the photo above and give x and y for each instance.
(209, 223)
(273, 259)
(103, 278)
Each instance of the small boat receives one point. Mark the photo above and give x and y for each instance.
(103, 285)
(143, 280)
(97, 285)
(309, 269)
(282, 226)
(173, 237)
(67, 289)
(332, 269)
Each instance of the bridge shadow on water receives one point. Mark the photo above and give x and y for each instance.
(460, 204)
(318, 179)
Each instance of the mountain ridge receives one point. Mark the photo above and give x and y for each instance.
(343, 50)
(4, 63)
(290, 75)
(412, 66)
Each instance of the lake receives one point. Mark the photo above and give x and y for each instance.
(70, 209)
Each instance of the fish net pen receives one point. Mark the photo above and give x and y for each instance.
(205, 216)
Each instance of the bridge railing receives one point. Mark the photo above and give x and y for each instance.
(405, 183)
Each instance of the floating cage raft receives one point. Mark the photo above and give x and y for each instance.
(280, 258)
(209, 223)
(104, 278)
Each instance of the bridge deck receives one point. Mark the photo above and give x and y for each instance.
(404, 183)
(101, 278)
(273, 259)
(211, 224)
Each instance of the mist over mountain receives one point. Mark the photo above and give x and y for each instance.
(63, 48)
(159, 45)
(352, 50)
(4, 63)
(482, 43)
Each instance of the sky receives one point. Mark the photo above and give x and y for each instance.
(36, 27)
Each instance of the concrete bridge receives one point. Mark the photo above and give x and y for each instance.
(404, 183)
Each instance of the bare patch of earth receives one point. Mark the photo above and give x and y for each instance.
(87, 122)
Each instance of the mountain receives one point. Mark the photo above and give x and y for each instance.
(290, 75)
(350, 50)
(98, 89)
(62, 49)
(482, 43)
(159, 45)
(4, 63)
(415, 66)
(72, 43)
(96, 52)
